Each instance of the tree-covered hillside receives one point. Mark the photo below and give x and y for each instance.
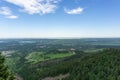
(79, 59)
(102, 65)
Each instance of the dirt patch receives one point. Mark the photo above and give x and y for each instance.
(18, 77)
(60, 77)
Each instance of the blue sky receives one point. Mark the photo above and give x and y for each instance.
(59, 18)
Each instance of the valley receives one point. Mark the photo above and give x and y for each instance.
(49, 59)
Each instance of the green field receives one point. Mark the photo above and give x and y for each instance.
(41, 56)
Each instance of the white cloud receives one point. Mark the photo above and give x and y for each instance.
(36, 6)
(7, 13)
(12, 17)
(78, 10)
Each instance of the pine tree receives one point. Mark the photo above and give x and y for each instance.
(4, 73)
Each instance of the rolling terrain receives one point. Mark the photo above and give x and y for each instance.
(67, 59)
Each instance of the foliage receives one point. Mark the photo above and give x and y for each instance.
(103, 65)
(52, 64)
(4, 72)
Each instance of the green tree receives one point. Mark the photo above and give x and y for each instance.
(4, 72)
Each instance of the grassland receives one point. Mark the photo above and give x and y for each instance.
(41, 56)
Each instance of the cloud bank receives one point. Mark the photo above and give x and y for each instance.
(7, 13)
(78, 10)
(36, 6)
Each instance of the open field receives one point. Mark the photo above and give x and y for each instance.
(41, 56)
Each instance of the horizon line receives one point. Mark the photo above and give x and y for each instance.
(58, 37)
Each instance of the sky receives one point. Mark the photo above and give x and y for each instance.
(59, 18)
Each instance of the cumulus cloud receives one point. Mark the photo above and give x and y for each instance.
(36, 6)
(7, 13)
(78, 10)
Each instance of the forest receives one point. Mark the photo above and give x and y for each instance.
(58, 59)
(103, 65)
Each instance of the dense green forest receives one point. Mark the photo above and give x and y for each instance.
(67, 59)
(102, 65)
